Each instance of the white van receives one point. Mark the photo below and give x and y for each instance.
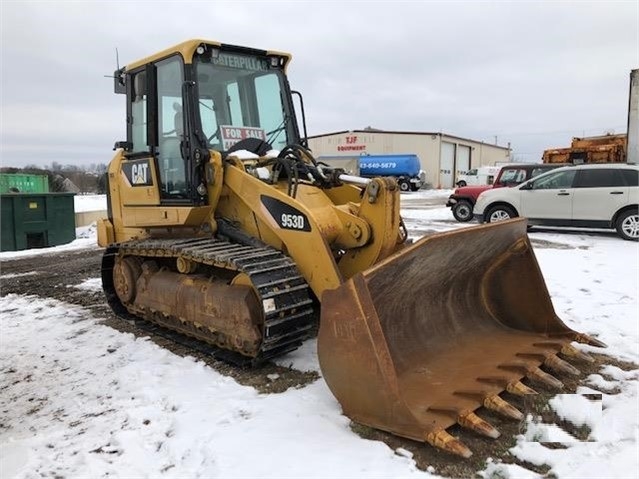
(484, 175)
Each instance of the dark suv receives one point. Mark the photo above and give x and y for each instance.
(463, 199)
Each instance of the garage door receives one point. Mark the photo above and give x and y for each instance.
(462, 165)
(447, 165)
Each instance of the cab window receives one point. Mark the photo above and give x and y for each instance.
(269, 108)
(138, 113)
(171, 127)
(242, 96)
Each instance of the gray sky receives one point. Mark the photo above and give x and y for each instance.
(530, 73)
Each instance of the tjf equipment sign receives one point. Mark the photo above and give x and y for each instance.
(351, 145)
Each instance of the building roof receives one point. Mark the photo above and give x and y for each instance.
(391, 132)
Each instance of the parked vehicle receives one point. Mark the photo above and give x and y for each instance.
(405, 168)
(484, 175)
(594, 196)
(463, 199)
(593, 149)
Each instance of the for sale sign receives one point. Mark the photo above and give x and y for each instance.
(232, 134)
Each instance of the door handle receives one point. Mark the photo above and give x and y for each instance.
(563, 194)
(616, 192)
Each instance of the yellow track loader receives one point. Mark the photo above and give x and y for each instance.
(223, 227)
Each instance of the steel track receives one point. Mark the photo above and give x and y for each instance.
(290, 317)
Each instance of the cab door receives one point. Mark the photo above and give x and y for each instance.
(156, 128)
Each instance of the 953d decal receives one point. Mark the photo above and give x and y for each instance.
(286, 216)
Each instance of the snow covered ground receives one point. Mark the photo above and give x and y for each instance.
(84, 203)
(78, 399)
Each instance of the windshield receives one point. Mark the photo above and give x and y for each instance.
(240, 97)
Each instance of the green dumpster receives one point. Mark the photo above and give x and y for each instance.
(36, 220)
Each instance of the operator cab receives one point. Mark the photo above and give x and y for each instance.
(199, 97)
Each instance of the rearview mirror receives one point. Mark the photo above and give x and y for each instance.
(527, 186)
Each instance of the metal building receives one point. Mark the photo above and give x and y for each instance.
(443, 157)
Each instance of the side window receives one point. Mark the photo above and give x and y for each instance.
(599, 178)
(561, 179)
(171, 128)
(631, 177)
(138, 113)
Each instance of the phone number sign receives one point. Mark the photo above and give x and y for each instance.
(376, 164)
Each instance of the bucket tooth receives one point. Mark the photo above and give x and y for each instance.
(493, 402)
(519, 389)
(466, 417)
(513, 387)
(472, 421)
(570, 351)
(499, 405)
(537, 375)
(534, 374)
(553, 362)
(442, 440)
(561, 366)
(589, 340)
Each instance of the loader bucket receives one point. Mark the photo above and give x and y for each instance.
(418, 342)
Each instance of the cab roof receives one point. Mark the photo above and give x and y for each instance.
(187, 49)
